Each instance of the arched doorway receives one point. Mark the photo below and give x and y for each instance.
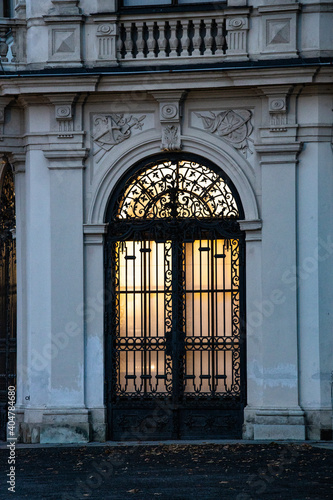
(174, 260)
(7, 293)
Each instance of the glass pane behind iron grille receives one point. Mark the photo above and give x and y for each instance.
(144, 291)
(182, 189)
(7, 296)
(212, 318)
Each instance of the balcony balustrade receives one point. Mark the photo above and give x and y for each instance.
(171, 39)
(74, 39)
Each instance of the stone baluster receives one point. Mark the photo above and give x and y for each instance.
(219, 39)
(162, 41)
(3, 43)
(186, 41)
(208, 37)
(129, 41)
(151, 42)
(173, 39)
(13, 46)
(140, 43)
(120, 43)
(196, 38)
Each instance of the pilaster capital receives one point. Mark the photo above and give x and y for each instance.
(63, 107)
(278, 153)
(279, 115)
(4, 101)
(17, 160)
(66, 159)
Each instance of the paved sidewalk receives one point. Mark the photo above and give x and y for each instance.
(184, 471)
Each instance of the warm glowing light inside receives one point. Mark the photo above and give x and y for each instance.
(145, 312)
(177, 189)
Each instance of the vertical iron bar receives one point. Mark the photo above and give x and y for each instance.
(213, 260)
(200, 261)
(126, 308)
(193, 317)
(134, 312)
(225, 250)
(157, 332)
(144, 257)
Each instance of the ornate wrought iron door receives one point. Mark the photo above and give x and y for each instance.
(7, 294)
(174, 277)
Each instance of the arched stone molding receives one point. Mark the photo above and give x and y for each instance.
(107, 176)
(229, 162)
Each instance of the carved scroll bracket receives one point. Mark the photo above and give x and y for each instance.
(64, 116)
(170, 103)
(279, 113)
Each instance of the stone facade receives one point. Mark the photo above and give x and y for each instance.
(68, 69)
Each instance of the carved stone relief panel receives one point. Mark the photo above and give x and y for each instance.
(233, 126)
(112, 129)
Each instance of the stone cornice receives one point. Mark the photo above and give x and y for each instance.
(281, 7)
(250, 225)
(94, 233)
(167, 95)
(252, 229)
(61, 18)
(279, 148)
(49, 84)
(161, 81)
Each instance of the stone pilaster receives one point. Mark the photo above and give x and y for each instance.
(94, 300)
(275, 412)
(55, 410)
